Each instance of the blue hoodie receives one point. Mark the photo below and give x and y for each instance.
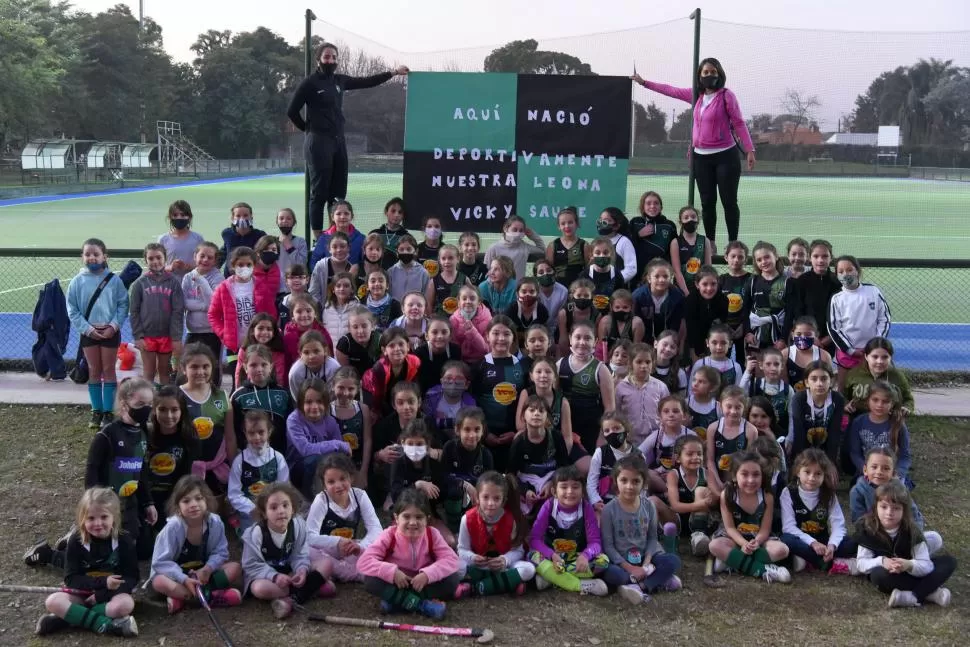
(110, 308)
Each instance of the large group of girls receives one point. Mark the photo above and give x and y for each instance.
(566, 421)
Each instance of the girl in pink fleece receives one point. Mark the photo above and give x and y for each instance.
(409, 566)
(469, 324)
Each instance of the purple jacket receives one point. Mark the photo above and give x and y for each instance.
(307, 438)
(537, 540)
(712, 127)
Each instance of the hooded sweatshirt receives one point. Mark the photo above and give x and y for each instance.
(110, 308)
(169, 543)
(157, 306)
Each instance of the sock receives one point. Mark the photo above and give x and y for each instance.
(404, 598)
(108, 396)
(94, 395)
(80, 616)
(487, 582)
(670, 538)
(709, 567)
(314, 581)
(218, 581)
(753, 564)
(565, 581)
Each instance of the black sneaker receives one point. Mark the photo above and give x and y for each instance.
(39, 554)
(107, 418)
(61, 544)
(96, 418)
(126, 627)
(49, 623)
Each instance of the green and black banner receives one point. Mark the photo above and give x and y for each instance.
(481, 147)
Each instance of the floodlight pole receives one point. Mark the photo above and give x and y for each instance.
(696, 17)
(307, 68)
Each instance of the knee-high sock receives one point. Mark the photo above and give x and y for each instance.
(108, 395)
(565, 581)
(753, 564)
(95, 395)
(488, 582)
(79, 615)
(404, 598)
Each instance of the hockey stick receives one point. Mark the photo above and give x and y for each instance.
(215, 623)
(483, 636)
(23, 588)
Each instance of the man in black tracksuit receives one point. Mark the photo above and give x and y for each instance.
(324, 147)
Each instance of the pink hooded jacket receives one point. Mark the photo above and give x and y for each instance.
(712, 126)
(437, 561)
(474, 347)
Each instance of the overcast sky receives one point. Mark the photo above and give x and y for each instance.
(837, 66)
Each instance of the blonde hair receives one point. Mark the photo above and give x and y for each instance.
(101, 497)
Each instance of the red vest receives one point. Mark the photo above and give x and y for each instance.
(498, 542)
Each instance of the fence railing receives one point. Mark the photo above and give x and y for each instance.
(930, 312)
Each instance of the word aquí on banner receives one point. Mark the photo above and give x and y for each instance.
(476, 114)
(544, 159)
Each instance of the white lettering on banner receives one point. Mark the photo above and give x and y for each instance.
(478, 212)
(502, 155)
(550, 211)
(483, 180)
(476, 154)
(566, 183)
(474, 114)
(558, 116)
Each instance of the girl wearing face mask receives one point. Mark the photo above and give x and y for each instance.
(856, 314)
(239, 233)
(417, 469)
(324, 146)
(719, 131)
(443, 401)
(620, 323)
(293, 248)
(604, 273)
(180, 242)
(266, 273)
(803, 351)
(236, 301)
(116, 458)
(613, 226)
(689, 252)
(600, 486)
(526, 310)
(429, 248)
(579, 308)
(653, 230)
(513, 246)
(552, 294)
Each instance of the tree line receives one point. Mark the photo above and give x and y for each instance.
(73, 74)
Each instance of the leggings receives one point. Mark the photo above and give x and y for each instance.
(440, 590)
(943, 568)
(798, 548)
(326, 158)
(719, 173)
(665, 565)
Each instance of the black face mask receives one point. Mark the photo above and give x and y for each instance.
(286, 230)
(583, 304)
(709, 82)
(140, 414)
(690, 226)
(327, 68)
(621, 316)
(268, 258)
(616, 440)
(405, 258)
(180, 223)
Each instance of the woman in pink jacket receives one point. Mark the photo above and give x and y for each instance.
(468, 325)
(719, 130)
(409, 566)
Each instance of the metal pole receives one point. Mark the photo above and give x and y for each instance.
(141, 15)
(696, 17)
(307, 68)
(633, 128)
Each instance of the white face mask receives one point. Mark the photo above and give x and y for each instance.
(432, 232)
(619, 370)
(244, 272)
(415, 452)
(514, 236)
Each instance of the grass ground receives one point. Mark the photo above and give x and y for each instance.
(44, 462)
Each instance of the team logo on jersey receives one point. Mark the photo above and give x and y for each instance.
(748, 529)
(99, 573)
(565, 547)
(351, 439)
(734, 303)
(817, 435)
(505, 393)
(256, 488)
(128, 489)
(362, 291)
(798, 386)
(724, 464)
(344, 533)
(450, 305)
(667, 463)
(693, 264)
(203, 427)
(162, 464)
(218, 404)
(191, 566)
(811, 527)
(601, 302)
(279, 399)
(432, 267)
(701, 432)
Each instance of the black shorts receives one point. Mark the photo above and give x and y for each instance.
(112, 342)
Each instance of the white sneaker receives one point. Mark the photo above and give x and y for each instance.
(903, 599)
(940, 596)
(719, 566)
(673, 584)
(631, 593)
(542, 583)
(799, 564)
(593, 587)
(699, 543)
(775, 573)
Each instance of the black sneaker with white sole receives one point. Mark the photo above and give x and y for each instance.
(126, 627)
(61, 544)
(49, 623)
(96, 418)
(39, 554)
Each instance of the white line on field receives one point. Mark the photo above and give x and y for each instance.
(26, 287)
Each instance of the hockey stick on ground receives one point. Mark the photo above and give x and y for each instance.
(483, 636)
(215, 623)
(23, 588)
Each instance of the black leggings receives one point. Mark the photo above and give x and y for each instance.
(326, 158)
(719, 173)
(943, 568)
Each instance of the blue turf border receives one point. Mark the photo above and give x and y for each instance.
(13, 202)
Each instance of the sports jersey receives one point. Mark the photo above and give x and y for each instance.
(724, 447)
(604, 285)
(352, 431)
(735, 289)
(209, 419)
(582, 388)
(691, 258)
(748, 523)
(568, 262)
(446, 294)
(796, 373)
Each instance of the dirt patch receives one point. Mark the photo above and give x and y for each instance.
(42, 468)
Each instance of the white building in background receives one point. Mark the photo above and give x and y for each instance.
(853, 139)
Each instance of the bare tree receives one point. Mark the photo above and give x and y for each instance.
(802, 109)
